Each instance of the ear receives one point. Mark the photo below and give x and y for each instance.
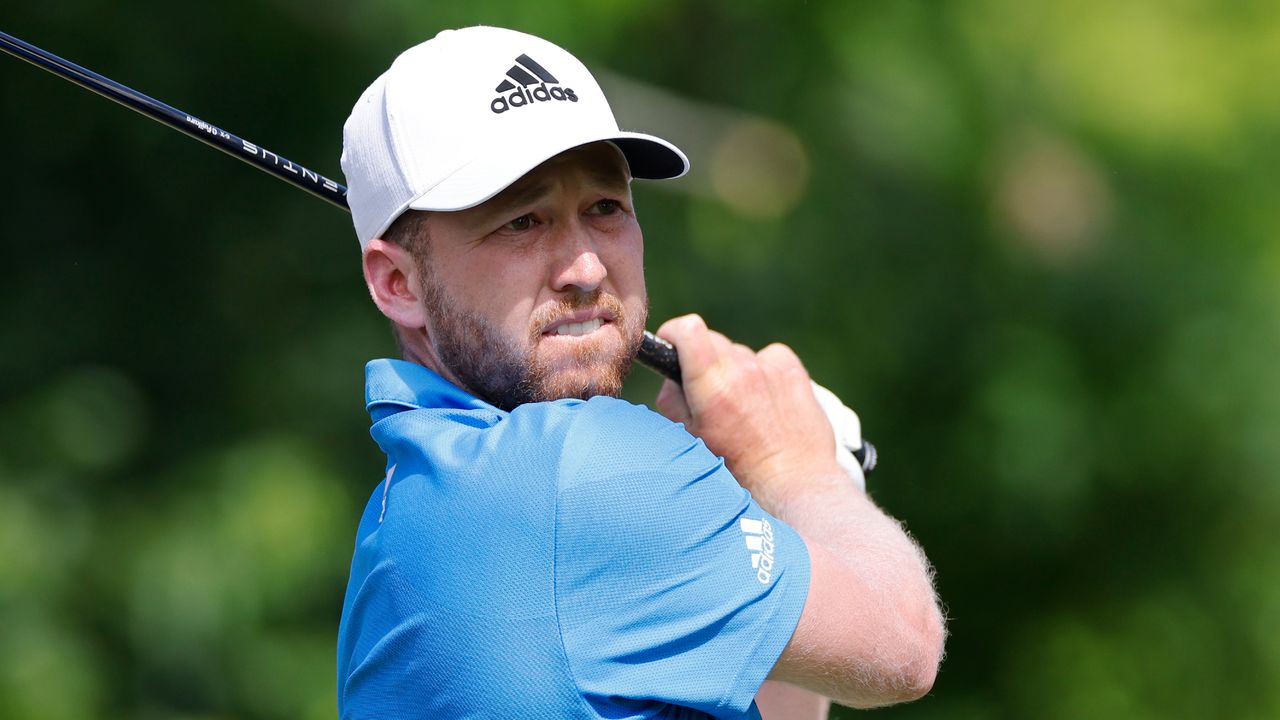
(394, 283)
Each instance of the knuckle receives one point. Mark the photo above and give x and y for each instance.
(717, 382)
(735, 380)
(784, 363)
(780, 353)
(732, 375)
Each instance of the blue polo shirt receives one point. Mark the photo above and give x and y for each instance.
(569, 559)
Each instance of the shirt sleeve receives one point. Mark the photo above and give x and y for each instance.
(672, 585)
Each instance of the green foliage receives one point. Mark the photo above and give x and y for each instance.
(1035, 246)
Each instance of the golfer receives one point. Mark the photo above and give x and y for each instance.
(539, 548)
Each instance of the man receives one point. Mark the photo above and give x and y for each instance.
(539, 548)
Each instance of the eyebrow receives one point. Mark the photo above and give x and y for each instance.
(521, 196)
(610, 180)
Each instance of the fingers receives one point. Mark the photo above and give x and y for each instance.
(787, 373)
(783, 359)
(794, 390)
(742, 354)
(709, 361)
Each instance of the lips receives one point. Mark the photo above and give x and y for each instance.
(582, 328)
(582, 322)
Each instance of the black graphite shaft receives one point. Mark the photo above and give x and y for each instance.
(207, 133)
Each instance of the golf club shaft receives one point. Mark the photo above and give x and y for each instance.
(207, 133)
(655, 353)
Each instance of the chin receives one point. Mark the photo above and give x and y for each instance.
(584, 383)
(583, 380)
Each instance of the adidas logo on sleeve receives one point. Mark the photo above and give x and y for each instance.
(528, 72)
(759, 537)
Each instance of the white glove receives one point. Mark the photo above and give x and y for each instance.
(848, 431)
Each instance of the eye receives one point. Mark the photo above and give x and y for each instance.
(520, 224)
(606, 207)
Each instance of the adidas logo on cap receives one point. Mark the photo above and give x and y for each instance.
(759, 537)
(528, 72)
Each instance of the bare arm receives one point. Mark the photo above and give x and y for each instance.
(871, 632)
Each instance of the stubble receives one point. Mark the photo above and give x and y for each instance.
(508, 374)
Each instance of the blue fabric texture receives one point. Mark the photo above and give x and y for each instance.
(569, 559)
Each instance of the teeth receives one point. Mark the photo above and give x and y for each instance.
(581, 328)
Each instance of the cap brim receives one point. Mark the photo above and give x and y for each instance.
(649, 158)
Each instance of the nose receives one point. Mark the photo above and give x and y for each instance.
(577, 263)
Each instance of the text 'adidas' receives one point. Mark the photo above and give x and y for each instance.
(528, 72)
(759, 537)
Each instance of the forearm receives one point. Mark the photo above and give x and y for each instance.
(892, 605)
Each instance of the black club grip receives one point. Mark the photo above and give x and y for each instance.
(659, 356)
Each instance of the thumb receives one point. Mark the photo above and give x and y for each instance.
(692, 341)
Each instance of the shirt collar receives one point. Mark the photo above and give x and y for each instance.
(395, 385)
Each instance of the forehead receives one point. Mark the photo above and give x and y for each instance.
(597, 167)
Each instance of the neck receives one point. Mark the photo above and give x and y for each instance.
(416, 347)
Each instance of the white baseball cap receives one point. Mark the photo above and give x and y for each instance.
(458, 118)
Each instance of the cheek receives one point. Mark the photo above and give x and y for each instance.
(625, 264)
(504, 292)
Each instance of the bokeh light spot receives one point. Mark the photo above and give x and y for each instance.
(760, 169)
(1050, 197)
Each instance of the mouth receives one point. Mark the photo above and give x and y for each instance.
(579, 324)
(577, 329)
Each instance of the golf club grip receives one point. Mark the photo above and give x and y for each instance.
(660, 356)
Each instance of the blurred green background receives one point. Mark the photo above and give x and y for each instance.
(1033, 244)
